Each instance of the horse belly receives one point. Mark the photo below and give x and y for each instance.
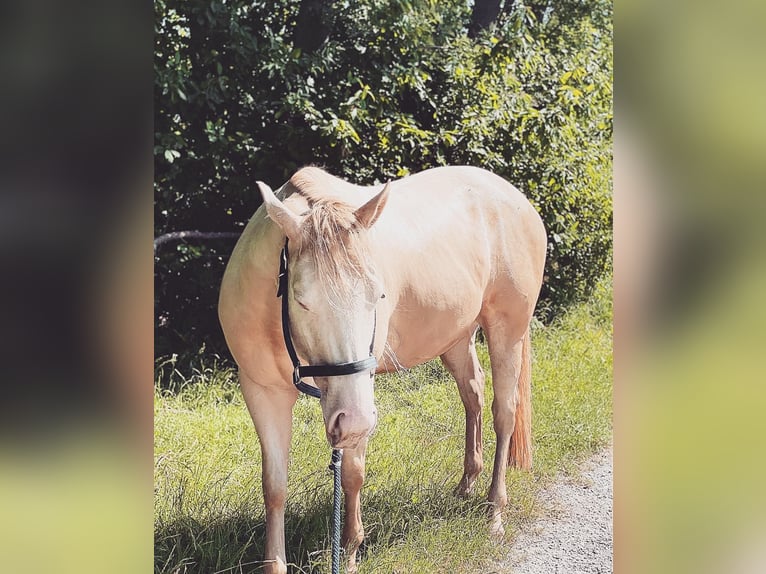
(417, 333)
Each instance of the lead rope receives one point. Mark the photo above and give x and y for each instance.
(337, 458)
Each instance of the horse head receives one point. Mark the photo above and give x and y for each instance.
(333, 290)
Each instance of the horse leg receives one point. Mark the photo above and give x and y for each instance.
(271, 410)
(505, 354)
(462, 362)
(352, 478)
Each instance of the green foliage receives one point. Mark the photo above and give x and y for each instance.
(397, 87)
(209, 513)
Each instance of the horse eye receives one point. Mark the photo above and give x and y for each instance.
(302, 305)
(382, 295)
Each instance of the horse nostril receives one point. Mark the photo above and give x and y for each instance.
(334, 428)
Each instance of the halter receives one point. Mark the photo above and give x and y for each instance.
(300, 371)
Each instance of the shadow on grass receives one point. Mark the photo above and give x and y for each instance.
(234, 544)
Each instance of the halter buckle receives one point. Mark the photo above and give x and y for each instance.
(296, 375)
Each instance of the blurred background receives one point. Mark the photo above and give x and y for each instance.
(75, 286)
(77, 327)
(689, 174)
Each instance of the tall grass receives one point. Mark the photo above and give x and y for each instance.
(209, 514)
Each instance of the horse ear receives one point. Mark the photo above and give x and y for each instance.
(368, 214)
(279, 214)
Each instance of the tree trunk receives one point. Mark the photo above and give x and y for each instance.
(485, 12)
(199, 235)
(314, 24)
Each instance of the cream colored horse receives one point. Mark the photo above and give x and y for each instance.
(424, 261)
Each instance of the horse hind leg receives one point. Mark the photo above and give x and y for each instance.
(463, 364)
(507, 358)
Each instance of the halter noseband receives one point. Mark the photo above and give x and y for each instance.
(300, 371)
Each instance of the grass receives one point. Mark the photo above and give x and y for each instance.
(208, 501)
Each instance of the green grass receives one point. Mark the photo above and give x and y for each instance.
(209, 505)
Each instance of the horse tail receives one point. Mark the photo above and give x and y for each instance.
(520, 455)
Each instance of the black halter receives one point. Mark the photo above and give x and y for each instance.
(300, 371)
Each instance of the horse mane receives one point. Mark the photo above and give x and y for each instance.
(314, 183)
(330, 233)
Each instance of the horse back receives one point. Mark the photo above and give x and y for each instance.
(454, 243)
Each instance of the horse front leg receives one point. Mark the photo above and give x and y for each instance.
(271, 409)
(352, 478)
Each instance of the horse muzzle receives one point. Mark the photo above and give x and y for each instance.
(346, 427)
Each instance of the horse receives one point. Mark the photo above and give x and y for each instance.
(417, 266)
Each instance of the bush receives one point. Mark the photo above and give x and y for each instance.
(397, 87)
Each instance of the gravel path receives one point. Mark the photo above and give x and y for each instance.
(574, 533)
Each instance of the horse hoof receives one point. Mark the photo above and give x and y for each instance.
(461, 491)
(496, 530)
(464, 488)
(275, 567)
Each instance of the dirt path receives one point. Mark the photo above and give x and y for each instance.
(574, 533)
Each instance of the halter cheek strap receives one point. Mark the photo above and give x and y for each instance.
(300, 371)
